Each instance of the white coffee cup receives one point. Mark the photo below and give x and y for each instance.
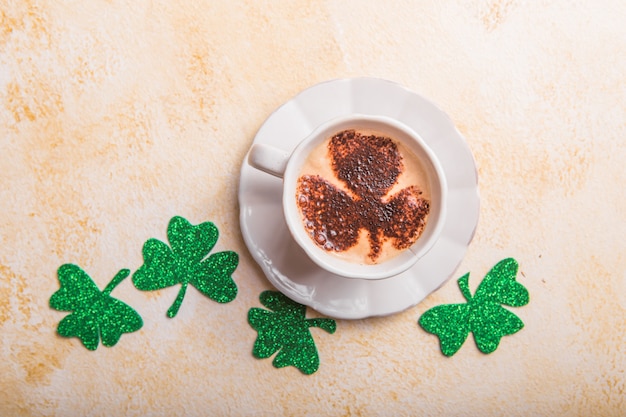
(288, 167)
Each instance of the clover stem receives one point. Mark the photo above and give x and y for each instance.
(464, 287)
(173, 310)
(117, 279)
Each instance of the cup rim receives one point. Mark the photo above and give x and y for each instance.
(405, 259)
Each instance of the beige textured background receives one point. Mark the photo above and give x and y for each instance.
(117, 115)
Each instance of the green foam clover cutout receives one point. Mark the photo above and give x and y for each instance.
(185, 262)
(482, 314)
(95, 314)
(286, 328)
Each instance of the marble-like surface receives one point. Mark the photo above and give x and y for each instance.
(116, 116)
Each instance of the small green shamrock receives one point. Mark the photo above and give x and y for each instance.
(186, 263)
(286, 327)
(95, 314)
(483, 314)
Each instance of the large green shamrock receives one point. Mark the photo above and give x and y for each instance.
(95, 314)
(483, 314)
(286, 327)
(186, 263)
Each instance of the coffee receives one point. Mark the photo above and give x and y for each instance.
(363, 196)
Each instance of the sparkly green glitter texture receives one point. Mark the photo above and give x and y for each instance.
(286, 328)
(482, 314)
(185, 262)
(95, 313)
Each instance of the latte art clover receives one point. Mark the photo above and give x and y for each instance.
(369, 166)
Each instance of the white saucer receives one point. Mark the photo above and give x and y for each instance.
(286, 265)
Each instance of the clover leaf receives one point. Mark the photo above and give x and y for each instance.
(483, 314)
(286, 328)
(95, 313)
(185, 262)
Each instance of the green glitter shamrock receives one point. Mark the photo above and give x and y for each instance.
(186, 263)
(483, 314)
(286, 327)
(95, 313)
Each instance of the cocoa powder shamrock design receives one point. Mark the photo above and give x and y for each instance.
(369, 166)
